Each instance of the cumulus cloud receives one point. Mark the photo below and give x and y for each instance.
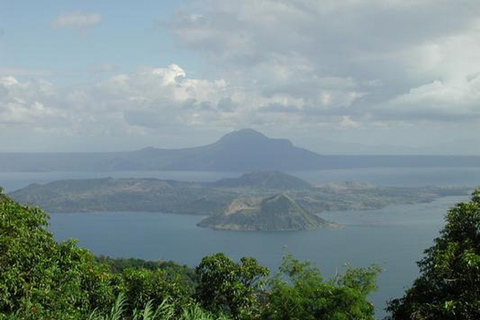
(126, 104)
(151, 100)
(77, 20)
(24, 103)
(438, 101)
(348, 58)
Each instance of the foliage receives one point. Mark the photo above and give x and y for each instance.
(171, 269)
(165, 311)
(449, 284)
(141, 286)
(299, 292)
(230, 288)
(118, 265)
(40, 278)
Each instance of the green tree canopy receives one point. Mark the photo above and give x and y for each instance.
(43, 279)
(300, 293)
(449, 284)
(229, 287)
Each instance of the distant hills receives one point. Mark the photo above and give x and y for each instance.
(268, 200)
(244, 151)
(264, 180)
(277, 212)
(155, 195)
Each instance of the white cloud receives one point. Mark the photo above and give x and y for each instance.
(24, 103)
(451, 101)
(77, 20)
(327, 54)
(147, 102)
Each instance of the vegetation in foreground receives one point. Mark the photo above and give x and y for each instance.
(449, 284)
(44, 279)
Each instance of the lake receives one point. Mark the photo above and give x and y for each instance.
(393, 237)
(401, 177)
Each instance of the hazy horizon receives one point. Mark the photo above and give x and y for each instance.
(371, 77)
(216, 140)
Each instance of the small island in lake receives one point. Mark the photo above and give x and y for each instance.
(278, 212)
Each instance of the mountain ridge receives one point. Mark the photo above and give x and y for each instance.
(244, 150)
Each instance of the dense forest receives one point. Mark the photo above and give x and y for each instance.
(44, 279)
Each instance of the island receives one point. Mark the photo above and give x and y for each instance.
(279, 212)
(264, 200)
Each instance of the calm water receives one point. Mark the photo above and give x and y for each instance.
(408, 177)
(394, 237)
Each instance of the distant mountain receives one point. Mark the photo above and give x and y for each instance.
(264, 180)
(278, 212)
(245, 150)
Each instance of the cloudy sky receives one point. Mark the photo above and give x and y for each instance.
(337, 77)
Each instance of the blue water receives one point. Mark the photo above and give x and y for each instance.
(406, 177)
(393, 238)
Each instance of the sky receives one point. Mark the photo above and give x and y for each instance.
(336, 77)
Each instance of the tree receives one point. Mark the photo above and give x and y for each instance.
(449, 283)
(299, 292)
(230, 288)
(141, 286)
(43, 279)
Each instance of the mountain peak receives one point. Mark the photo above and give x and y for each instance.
(277, 212)
(250, 137)
(243, 135)
(282, 196)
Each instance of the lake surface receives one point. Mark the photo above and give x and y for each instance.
(393, 237)
(401, 177)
